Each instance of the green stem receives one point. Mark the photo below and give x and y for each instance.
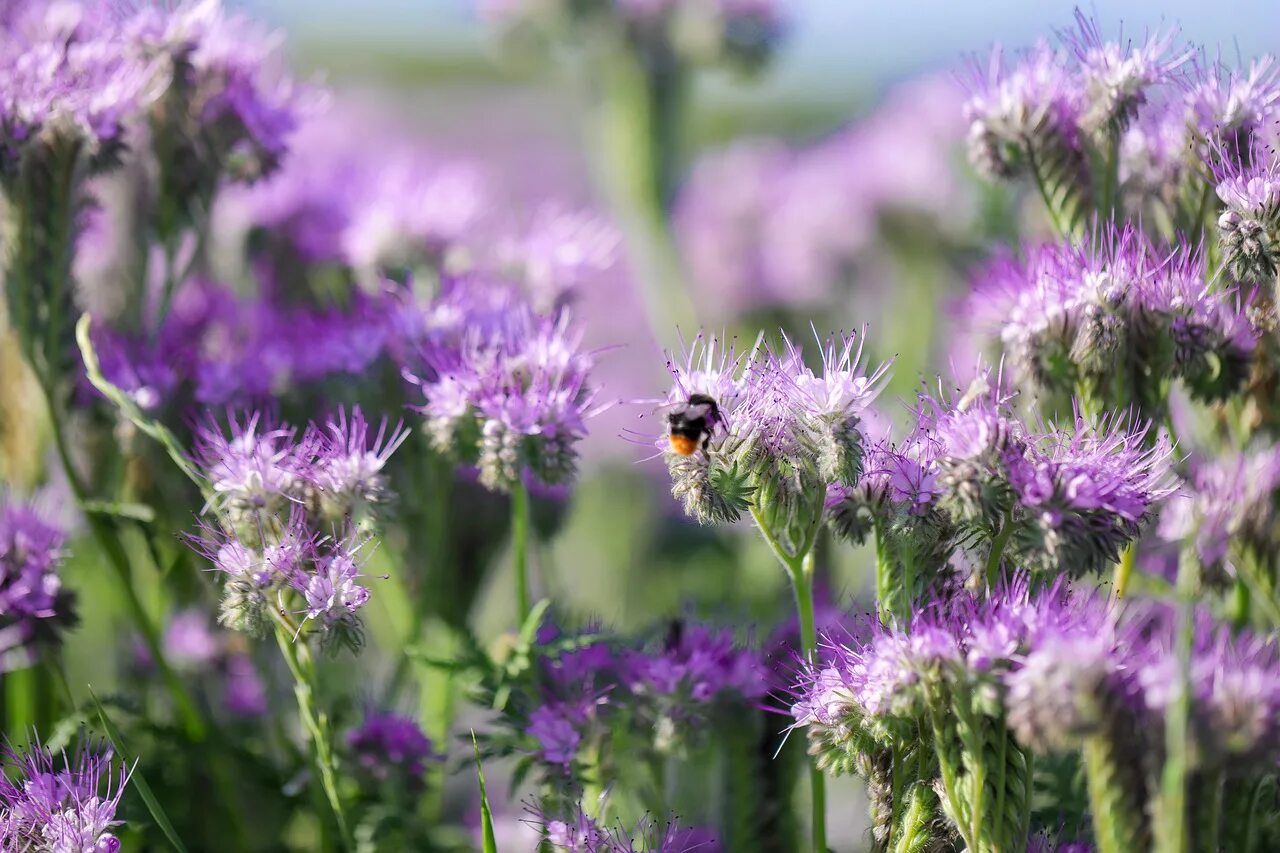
(1049, 206)
(638, 125)
(520, 546)
(21, 701)
(297, 656)
(884, 577)
(1124, 571)
(1002, 780)
(1109, 207)
(1171, 828)
(800, 568)
(998, 543)
(1240, 604)
(802, 582)
(104, 533)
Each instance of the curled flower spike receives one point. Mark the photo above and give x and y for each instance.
(68, 804)
(764, 432)
(291, 516)
(1248, 184)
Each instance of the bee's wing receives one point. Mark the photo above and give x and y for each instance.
(696, 410)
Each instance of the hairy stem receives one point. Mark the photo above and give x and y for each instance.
(1124, 571)
(297, 656)
(520, 546)
(1171, 828)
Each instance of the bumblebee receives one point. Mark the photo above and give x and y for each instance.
(690, 425)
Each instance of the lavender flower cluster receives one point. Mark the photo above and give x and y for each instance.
(587, 687)
(294, 513)
(50, 802)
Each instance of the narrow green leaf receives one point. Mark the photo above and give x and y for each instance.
(529, 630)
(129, 408)
(490, 844)
(136, 777)
(131, 511)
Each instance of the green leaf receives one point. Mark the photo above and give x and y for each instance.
(131, 511)
(130, 409)
(490, 844)
(136, 777)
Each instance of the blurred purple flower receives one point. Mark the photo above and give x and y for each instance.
(389, 747)
(35, 610)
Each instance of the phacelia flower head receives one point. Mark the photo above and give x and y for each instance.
(888, 675)
(1227, 106)
(1229, 502)
(1249, 188)
(293, 515)
(1075, 679)
(349, 463)
(576, 832)
(227, 107)
(506, 389)
(69, 88)
(1021, 110)
(1235, 690)
(60, 803)
(1069, 314)
(388, 747)
(695, 670)
(1115, 77)
(1087, 492)
(764, 430)
(35, 609)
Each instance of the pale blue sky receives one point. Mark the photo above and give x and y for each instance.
(834, 39)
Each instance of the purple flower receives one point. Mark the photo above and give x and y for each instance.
(287, 514)
(388, 747)
(1248, 184)
(1029, 107)
(555, 729)
(1235, 688)
(579, 833)
(1230, 502)
(1115, 77)
(1227, 106)
(558, 252)
(66, 79)
(228, 106)
(1069, 313)
(189, 640)
(695, 666)
(243, 693)
(63, 804)
(348, 468)
(506, 388)
(35, 610)
(1087, 492)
